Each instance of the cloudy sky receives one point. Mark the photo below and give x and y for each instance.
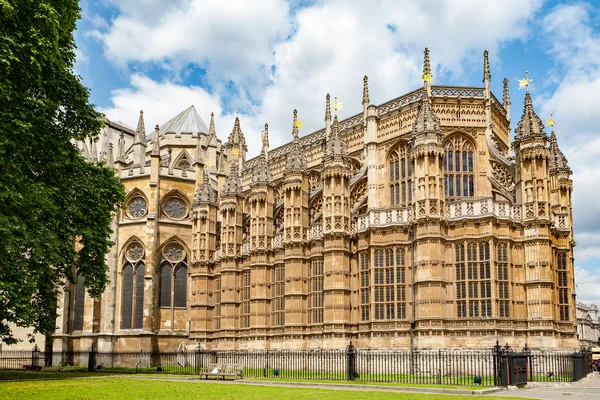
(267, 57)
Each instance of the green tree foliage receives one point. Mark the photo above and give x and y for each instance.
(55, 208)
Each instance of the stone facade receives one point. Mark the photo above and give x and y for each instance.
(588, 326)
(414, 223)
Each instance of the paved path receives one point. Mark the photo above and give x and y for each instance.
(586, 389)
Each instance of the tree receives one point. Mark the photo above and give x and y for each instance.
(50, 197)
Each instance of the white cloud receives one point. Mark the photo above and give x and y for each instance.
(588, 282)
(575, 47)
(332, 45)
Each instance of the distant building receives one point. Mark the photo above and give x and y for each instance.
(415, 222)
(588, 326)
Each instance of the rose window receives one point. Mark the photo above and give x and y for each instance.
(174, 253)
(135, 252)
(137, 208)
(175, 208)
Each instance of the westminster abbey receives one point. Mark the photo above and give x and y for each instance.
(414, 223)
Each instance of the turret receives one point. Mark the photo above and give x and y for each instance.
(365, 100)
(327, 116)
(232, 213)
(336, 234)
(561, 186)
(427, 76)
(531, 162)
(204, 230)
(487, 76)
(295, 187)
(261, 203)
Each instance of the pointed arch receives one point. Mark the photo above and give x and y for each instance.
(183, 158)
(79, 302)
(175, 205)
(400, 174)
(459, 166)
(132, 239)
(173, 273)
(133, 269)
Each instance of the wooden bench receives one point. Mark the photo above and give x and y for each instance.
(222, 371)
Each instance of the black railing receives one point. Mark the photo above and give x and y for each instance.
(500, 367)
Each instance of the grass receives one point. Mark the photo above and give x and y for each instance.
(118, 388)
(360, 383)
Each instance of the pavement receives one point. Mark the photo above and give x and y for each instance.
(588, 388)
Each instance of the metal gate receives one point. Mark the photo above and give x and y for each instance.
(510, 368)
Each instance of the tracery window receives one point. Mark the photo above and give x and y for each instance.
(389, 284)
(315, 297)
(473, 289)
(365, 287)
(173, 277)
(278, 293)
(175, 208)
(79, 303)
(137, 207)
(400, 168)
(563, 288)
(459, 175)
(132, 288)
(503, 281)
(245, 300)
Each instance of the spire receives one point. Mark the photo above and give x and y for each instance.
(94, 151)
(487, 76)
(558, 161)
(236, 137)
(336, 146)
(327, 116)
(530, 124)
(295, 157)
(426, 120)
(212, 133)
(505, 94)
(262, 173)
(426, 66)
(140, 132)
(366, 90)
(265, 141)
(109, 156)
(205, 193)
(198, 155)
(295, 125)
(156, 144)
(233, 184)
(121, 149)
(427, 77)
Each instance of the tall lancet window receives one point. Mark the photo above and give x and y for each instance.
(173, 277)
(132, 287)
(400, 170)
(563, 287)
(79, 302)
(459, 170)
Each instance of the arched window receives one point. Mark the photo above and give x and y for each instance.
(400, 168)
(563, 287)
(127, 293)
(79, 302)
(132, 287)
(365, 287)
(165, 284)
(459, 175)
(173, 277)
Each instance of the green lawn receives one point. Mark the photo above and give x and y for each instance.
(360, 383)
(123, 388)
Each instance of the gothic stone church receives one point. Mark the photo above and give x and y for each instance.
(415, 221)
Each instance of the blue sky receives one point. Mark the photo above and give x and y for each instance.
(267, 57)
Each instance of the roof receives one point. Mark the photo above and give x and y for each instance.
(188, 122)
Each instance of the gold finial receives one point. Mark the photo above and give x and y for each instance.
(550, 121)
(525, 82)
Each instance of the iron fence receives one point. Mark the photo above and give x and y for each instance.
(446, 367)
